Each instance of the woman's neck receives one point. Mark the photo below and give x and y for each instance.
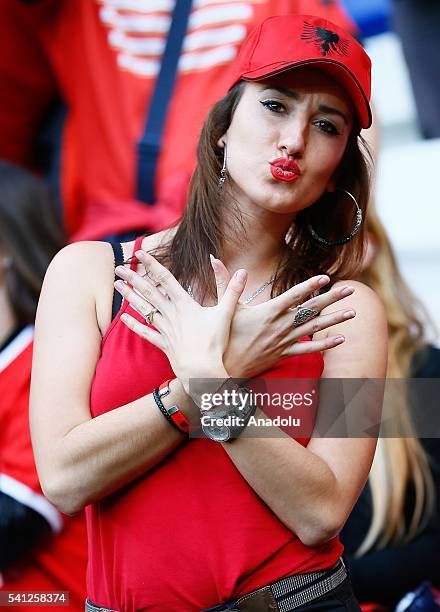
(259, 247)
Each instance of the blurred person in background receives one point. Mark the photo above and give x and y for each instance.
(393, 533)
(39, 548)
(112, 62)
(417, 23)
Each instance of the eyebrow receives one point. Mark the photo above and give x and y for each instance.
(323, 108)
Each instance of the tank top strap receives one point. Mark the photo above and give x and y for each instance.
(133, 259)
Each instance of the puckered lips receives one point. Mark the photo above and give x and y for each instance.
(284, 169)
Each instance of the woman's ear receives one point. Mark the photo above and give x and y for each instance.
(222, 141)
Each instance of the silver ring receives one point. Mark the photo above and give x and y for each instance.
(150, 315)
(303, 315)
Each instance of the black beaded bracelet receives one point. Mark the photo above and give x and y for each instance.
(162, 408)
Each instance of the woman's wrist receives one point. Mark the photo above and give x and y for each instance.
(198, 376)
(207, 381)
(217, 372)
(180, 397)
(206, 371)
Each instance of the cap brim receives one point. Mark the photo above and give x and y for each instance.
(337, 70)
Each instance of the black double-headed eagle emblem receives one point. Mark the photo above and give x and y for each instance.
(325, 40)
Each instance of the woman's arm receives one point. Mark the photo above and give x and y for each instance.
(80, 459)
(307, 479)
(313, 489)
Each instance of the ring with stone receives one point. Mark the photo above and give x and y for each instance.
(303, 315)
(150, 315)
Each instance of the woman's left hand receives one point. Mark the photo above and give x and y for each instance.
(193, 337)
(263, 334)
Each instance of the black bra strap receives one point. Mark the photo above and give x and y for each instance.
(119, 260)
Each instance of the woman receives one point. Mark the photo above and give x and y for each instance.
(39, 549)
(393, 534)
(188, 524)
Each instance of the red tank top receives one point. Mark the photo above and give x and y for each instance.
(191, 532)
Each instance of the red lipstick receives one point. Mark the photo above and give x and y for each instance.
(283, 169)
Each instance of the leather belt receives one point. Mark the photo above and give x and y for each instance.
(288, 593)
(283, 595)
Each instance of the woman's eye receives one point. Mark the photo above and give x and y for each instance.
(273, 105)
(326, 126)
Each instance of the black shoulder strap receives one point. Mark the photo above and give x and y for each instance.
(148, 148)
(119, 260)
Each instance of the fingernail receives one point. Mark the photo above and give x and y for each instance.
(139, 254)
(240, 275)
(323, 280)
(119, 284)
(349, 314)
(347, 291)
(120, 270)
(339, 339)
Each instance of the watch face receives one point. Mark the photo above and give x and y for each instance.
(218, 433)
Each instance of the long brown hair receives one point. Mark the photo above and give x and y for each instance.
(29, 237)
(401, 467)
(204, 228)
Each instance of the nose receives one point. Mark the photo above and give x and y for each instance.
(293, 138)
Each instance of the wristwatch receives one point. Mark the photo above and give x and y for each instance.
(226, 422)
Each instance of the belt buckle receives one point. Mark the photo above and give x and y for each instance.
(262, 600)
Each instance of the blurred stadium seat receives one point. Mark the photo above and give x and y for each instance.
(372, 16)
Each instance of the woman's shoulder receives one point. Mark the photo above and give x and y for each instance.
(364, 352)
(80, 273)
(364, 299)
(89, 266)
(80, 258)
(371, 319)
(361, 288)
(90, 259)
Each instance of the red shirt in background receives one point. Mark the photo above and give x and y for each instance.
(104, 56)
(61, 564)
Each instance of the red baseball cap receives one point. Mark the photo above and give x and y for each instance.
(284, 42)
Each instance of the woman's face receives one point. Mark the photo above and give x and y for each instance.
(286, 140)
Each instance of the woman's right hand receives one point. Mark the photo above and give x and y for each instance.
(192, 336)
(263, 334)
